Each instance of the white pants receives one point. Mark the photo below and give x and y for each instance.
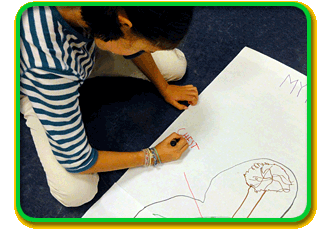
(73, 189)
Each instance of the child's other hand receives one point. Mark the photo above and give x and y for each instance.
(169, 153)
(173, 94)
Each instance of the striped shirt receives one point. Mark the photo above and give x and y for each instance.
(54, 62)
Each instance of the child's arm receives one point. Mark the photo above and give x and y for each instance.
(109, 161)
(171, 93)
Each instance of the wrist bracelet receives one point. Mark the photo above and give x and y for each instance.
(147, 157)
(151, 155)
(155, 155)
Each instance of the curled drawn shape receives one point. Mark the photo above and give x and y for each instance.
(267, 177)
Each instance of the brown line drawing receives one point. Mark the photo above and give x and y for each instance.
(265, 177)
(256, 204)
(260, 177)
(248, 191)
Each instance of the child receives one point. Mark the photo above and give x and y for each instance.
(58, 54)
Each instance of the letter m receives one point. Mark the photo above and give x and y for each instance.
(290, 82)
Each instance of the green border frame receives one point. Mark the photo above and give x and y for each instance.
(188, 220)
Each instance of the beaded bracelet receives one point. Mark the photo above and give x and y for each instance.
(151, 155)
(155, 156)
(147, 157)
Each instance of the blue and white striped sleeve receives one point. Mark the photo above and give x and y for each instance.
(54, 98)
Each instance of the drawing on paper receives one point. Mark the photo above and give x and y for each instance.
(192, 143)
(264, 177)
(254, 188)
(297, 83)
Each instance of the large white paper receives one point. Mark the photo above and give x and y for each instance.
(247, 155)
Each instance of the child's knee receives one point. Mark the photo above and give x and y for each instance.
(75, 195)
(172, 64)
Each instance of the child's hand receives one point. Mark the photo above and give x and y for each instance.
(173, 94)
(169, 153)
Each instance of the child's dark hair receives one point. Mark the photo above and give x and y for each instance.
(163, 26)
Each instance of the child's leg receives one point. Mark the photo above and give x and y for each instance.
(172, 65)
(68, 188)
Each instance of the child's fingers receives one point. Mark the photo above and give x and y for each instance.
(192, 91)
(191, 88)
(184, 147)
(191, 99)
(193, 102)
(174, 135)
(178, 105)
(194, 97)
(182, 143)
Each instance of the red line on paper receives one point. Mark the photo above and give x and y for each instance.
(192, 194)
